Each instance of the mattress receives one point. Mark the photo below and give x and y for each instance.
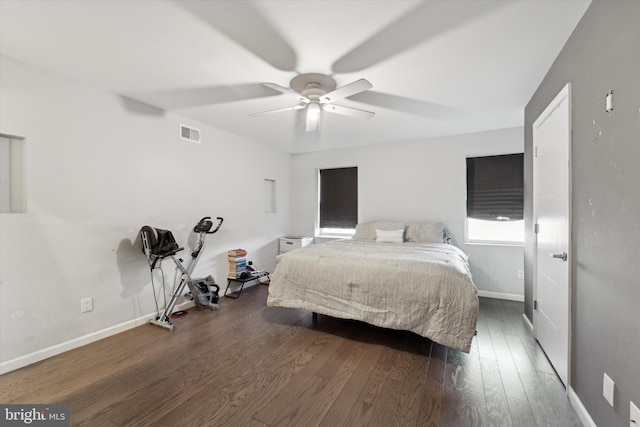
(425, 288)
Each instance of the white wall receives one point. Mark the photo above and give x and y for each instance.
(417, 181)
(99, 167)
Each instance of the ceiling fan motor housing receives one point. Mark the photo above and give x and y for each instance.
(313, 91)
(300, 82)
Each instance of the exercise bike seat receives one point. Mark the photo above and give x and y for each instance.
(158, 242)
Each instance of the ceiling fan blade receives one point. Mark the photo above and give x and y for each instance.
(426, 21)
(348, 111)
(286, 91)
(243, 23)
(407, 105)
(279, 110)
(346, 91)
(174, 99)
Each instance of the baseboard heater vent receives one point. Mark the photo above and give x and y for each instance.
(190, 134)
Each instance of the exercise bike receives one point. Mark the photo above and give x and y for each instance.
(159, 244)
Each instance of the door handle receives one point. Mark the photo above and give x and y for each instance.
(562, 256)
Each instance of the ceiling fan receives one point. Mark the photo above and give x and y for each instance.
(316, 93)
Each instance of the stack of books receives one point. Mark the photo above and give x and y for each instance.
(237, 262)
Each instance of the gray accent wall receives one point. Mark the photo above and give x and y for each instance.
(602, 54)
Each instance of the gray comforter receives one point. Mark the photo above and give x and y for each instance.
(424, 288)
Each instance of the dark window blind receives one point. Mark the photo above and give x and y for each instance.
(339, 198)
(495, 187)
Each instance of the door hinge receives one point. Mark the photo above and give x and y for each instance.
(535, 151)
(536, 228)
(535, 304)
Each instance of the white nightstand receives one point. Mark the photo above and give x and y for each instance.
(287, 244)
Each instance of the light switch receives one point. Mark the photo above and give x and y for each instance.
(608, 387)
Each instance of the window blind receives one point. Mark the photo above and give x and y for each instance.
(495, 187)
(338, 198)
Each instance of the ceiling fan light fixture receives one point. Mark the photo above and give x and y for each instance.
(313, 116)
(313, 109)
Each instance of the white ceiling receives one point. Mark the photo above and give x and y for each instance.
(438, 67)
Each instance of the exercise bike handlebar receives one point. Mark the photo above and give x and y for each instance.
(205, 224)
(202, 227)
(220, 220)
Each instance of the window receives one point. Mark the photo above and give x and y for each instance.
(337, 201)
(12, 190)
(495, 199)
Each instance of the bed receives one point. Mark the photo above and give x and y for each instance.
(393, 275)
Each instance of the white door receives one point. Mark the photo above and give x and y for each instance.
(551, 196)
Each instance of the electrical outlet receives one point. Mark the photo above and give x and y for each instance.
(86, 304)
(608, 387)
(521, 274)
(634, 415)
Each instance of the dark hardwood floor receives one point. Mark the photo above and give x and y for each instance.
(249, 365)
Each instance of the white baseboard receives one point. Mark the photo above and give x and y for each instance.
(575, 401)
(581, 411)
(501, 295)
(45, 353)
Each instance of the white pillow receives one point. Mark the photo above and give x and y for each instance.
(389, 236)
